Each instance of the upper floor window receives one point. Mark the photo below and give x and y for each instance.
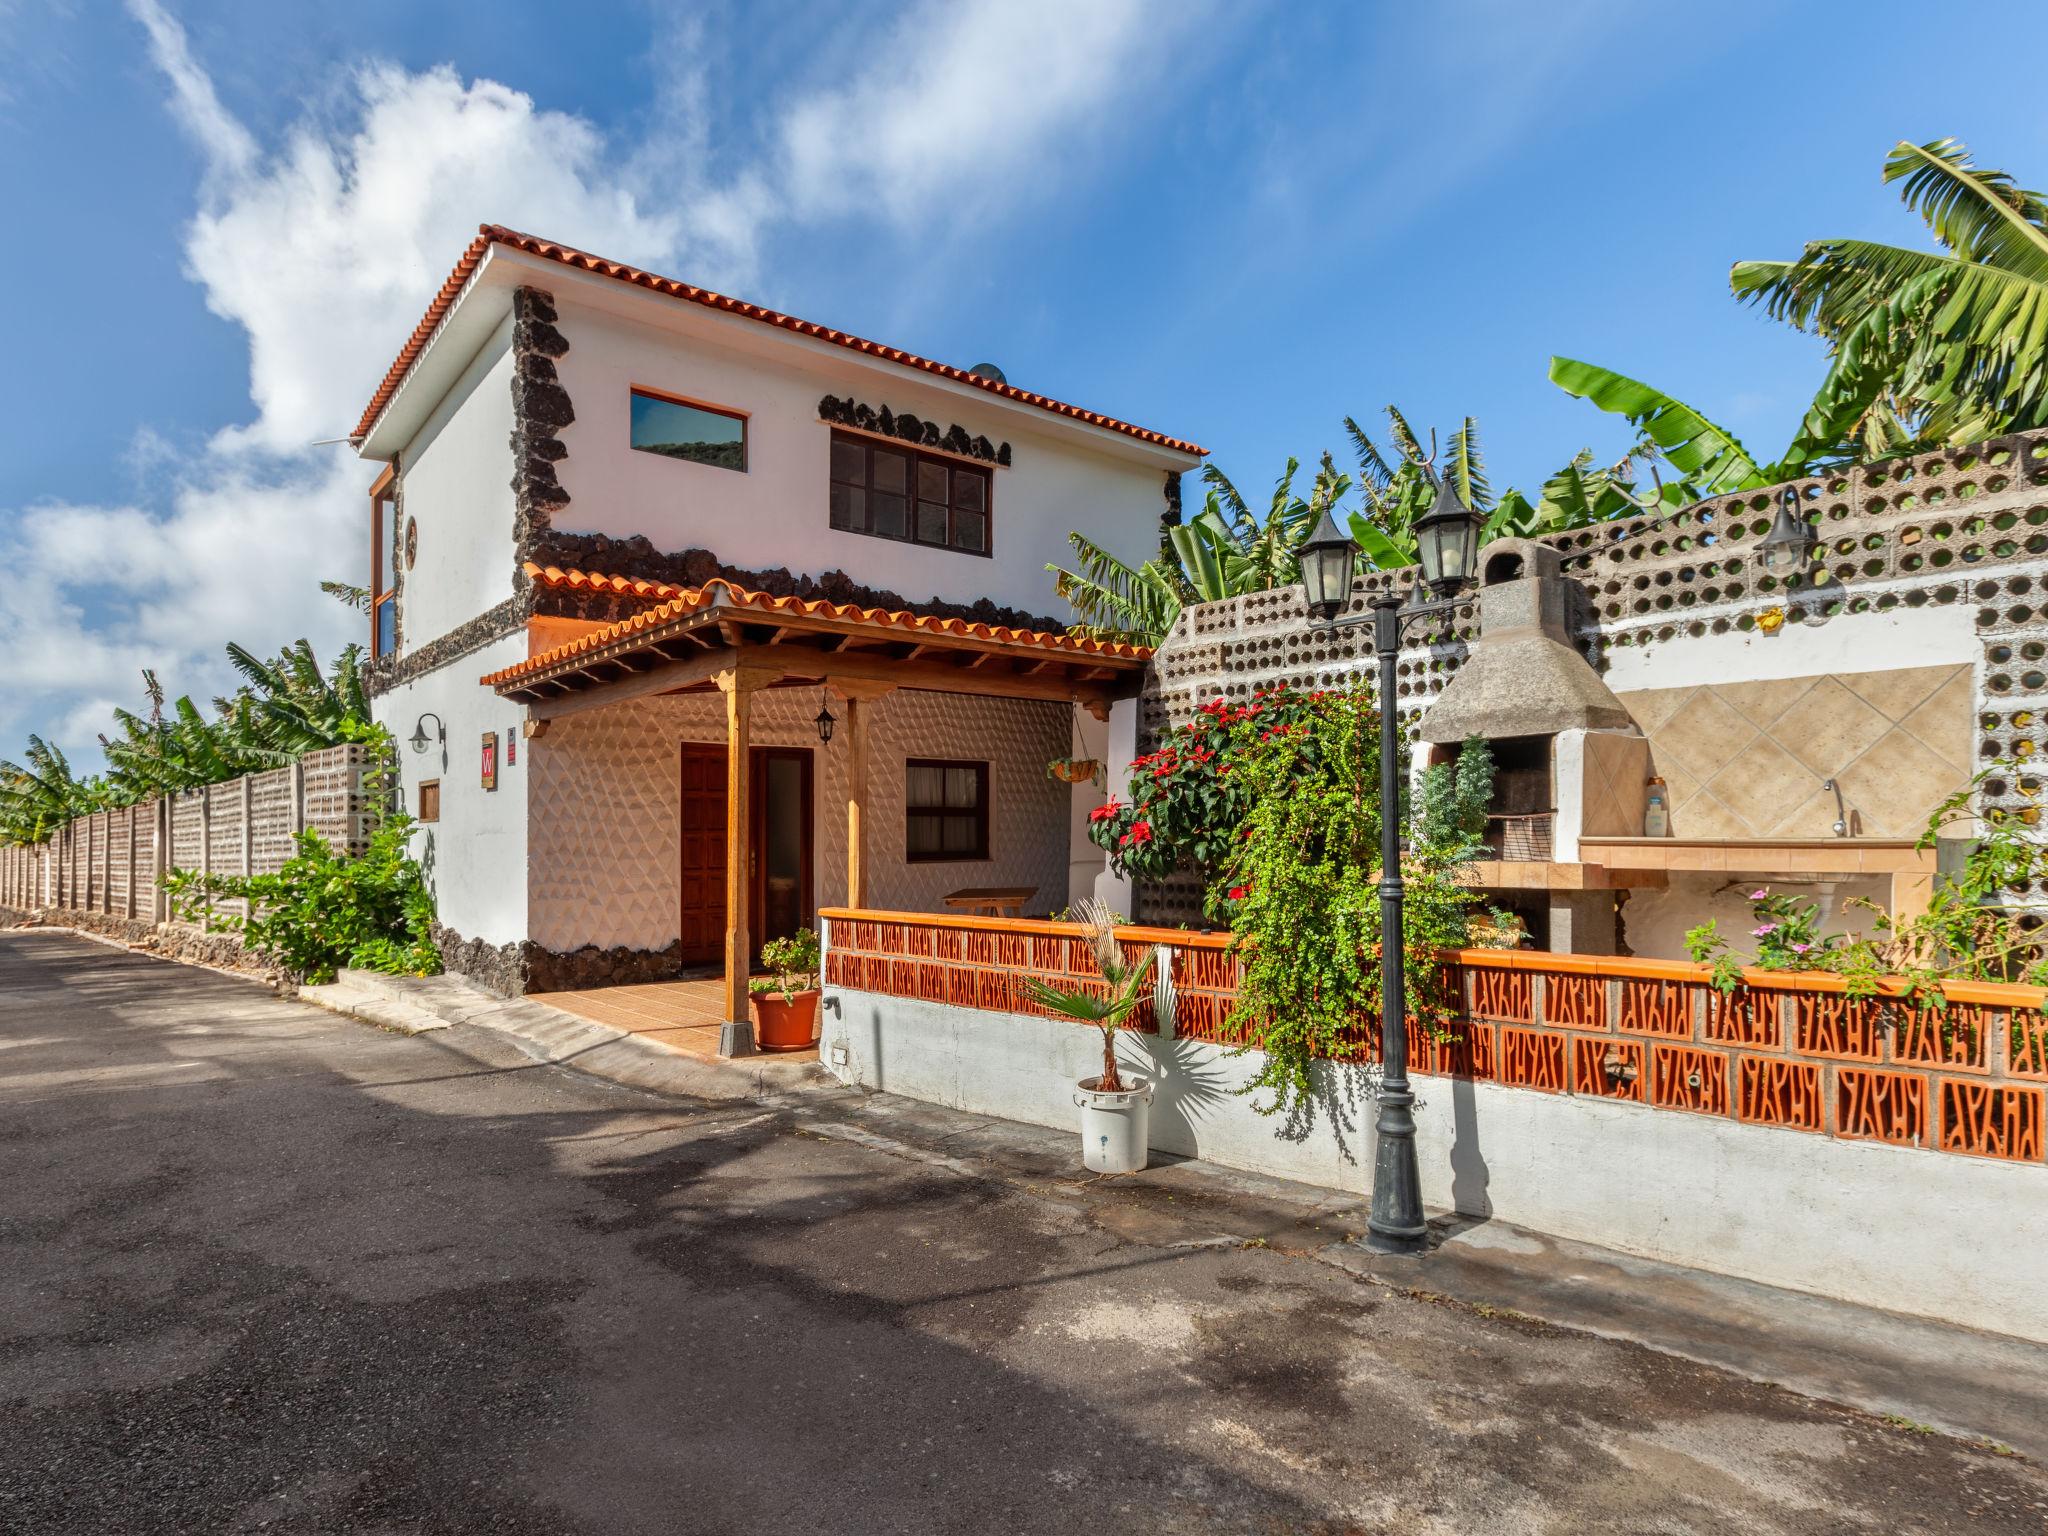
(895, 492)
(383, 580)
(683, 429)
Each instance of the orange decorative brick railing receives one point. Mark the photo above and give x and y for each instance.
(1791, 1051)
(971, 962)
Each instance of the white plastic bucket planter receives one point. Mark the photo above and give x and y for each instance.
(1114, 1125)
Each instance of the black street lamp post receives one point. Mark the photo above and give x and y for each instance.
(1447, 541)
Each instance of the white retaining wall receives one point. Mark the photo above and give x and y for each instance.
(1958, 1238)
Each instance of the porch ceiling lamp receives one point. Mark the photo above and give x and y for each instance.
(420, 739)
(1447, 542)
(1328, 561)
(1788, 548)
(825, 721)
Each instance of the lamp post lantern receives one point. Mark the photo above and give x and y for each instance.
(1447, 546)
(1788, 548)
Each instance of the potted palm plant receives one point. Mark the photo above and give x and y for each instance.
(786, 1005)
(1115, 1110)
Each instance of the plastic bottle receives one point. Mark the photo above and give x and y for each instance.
(1656, 817)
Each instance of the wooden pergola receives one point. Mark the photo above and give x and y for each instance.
(720, 636)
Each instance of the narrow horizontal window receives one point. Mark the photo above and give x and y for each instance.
(893, 492)
(676, 429)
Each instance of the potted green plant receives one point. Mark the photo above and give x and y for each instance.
(786, 1005)
(1075, 770)
(1115, 1110)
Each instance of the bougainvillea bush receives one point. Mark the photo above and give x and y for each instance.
(1276, 803)
(1185, 806)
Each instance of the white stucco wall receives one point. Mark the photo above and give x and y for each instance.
(1848, 642)
(456, 477)
(477, 851)
(606, 799)
(1958, 1238)
(775, 513)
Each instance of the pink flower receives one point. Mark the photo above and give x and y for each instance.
(1800, 949)
(1760, 895)
(1763, 929)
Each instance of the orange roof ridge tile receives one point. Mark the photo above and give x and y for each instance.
(718, 591)
(497, 234)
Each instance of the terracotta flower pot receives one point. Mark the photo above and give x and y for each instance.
(786, 1023)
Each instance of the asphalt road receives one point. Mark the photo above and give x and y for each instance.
(264, 1269)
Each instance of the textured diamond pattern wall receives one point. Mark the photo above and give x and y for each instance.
(604, 803)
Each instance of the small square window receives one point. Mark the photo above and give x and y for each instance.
(945, 810)
(429, 800)
(679, 429)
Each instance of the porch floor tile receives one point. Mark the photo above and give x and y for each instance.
(681, 1016)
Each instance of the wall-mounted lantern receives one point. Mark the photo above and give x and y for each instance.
(1788, 548)
(825, 721)
(420, 739)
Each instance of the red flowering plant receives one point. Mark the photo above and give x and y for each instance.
(1188, 801)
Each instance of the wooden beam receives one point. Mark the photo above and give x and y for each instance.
(678, 674)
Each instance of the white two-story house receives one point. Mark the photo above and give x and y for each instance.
(692, 617)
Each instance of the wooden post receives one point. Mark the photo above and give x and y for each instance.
(107, 862)
(736, 1038)
(248, 835)
(160, 857)
(131, 903)
(860, 697)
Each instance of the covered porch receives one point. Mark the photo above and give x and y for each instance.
(726, 762)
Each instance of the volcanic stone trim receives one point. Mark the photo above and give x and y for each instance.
(540, 409)
(912, 429)
(169, 941)
(522, 967)
(508, 617)
(637, 557)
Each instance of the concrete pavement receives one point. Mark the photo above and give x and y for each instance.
(268, 1268)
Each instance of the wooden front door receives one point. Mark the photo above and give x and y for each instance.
(702, 853)
(780, 798)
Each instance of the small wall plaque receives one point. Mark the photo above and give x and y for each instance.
(490, 776)
(511, 749)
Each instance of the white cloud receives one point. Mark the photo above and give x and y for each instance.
(974, 93)
(326, 246)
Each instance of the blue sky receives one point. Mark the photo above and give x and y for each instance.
(1232, 222)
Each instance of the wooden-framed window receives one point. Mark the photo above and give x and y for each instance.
(429, 800)
(945, 810)
(689, 430)
(383, 581)
(896, 492)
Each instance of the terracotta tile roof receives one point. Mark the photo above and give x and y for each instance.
(496, 234)
(723, 594)
(590, 581)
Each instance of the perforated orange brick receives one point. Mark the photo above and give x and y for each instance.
(1577, 1001)
(1827, 1024)
(1469, 1056)
(1500, 994)
(1531, 1058)
(1991, 1119)
(1657, 1008)
(1743, 1017)
(2026, 1031)
(1876, 1105)
(1771, 1090)
(1683, 1077)
(1608, 1069)
(1956, 1037)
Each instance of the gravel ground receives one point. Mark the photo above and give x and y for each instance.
(271, 1270)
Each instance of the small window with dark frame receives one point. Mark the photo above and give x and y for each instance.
(945, 810)
(430, 800)
(383, 593)
(894, 492)
(683, 429)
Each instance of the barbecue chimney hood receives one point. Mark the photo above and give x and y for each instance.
(1523, 676)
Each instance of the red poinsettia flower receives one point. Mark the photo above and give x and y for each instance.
(1105, 812)
(1141, 833)
(1238, 892)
